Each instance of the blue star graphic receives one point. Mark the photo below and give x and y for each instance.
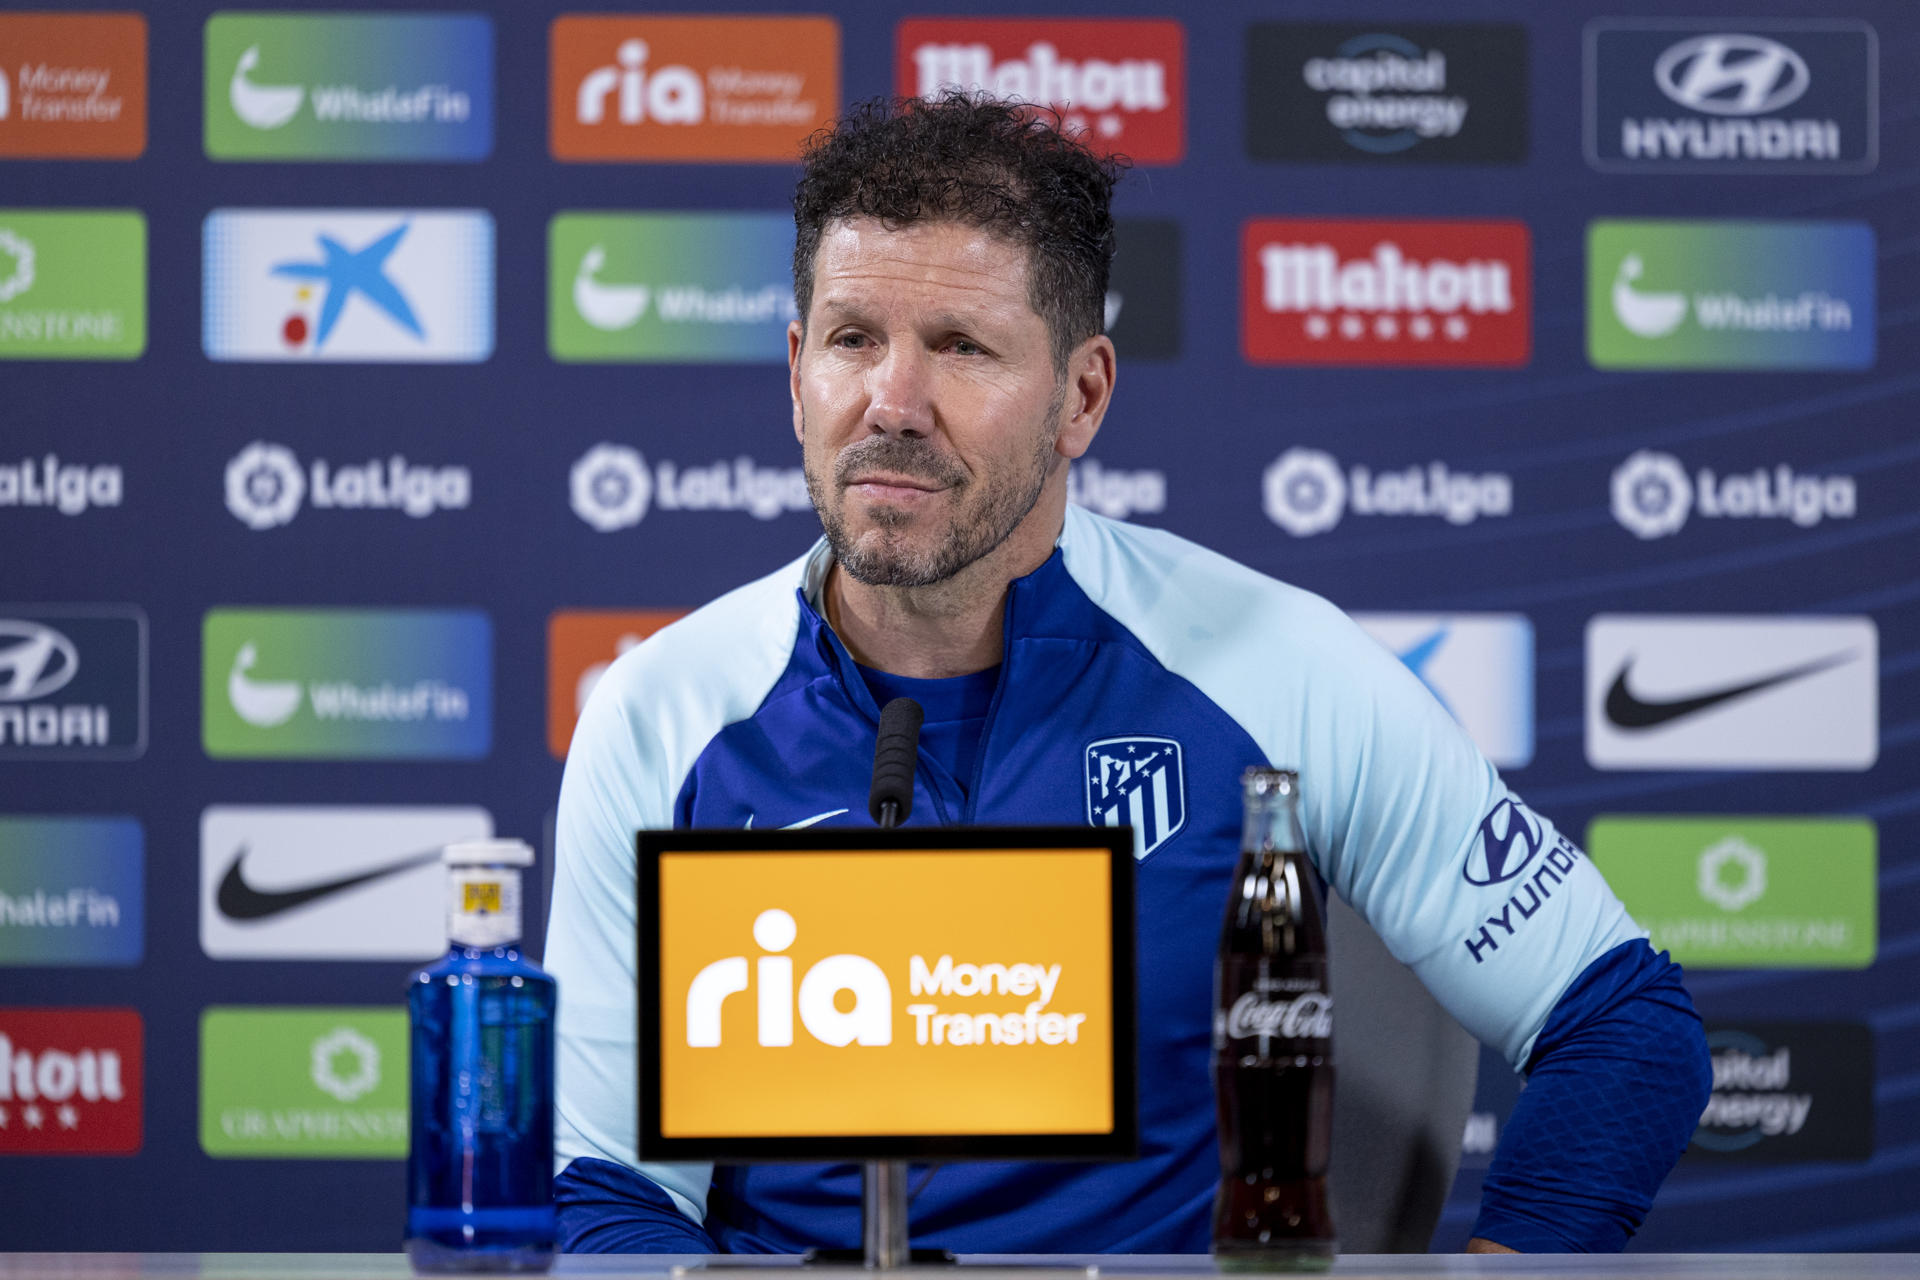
(345, 271)
(1417, 657)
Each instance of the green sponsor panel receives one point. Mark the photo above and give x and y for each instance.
(1747, 892)
(316, 1082)
(73, 284)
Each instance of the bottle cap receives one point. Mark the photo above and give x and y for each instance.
(488, 853)
(1263, 780)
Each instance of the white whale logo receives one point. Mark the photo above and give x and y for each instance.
(262, 106)
(606, 307)
(261, 703)
(1647, 315)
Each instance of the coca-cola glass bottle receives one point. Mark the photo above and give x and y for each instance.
(1273, 1045)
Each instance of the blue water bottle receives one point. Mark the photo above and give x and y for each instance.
(480, 1151)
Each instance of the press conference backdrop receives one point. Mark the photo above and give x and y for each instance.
(368, 380)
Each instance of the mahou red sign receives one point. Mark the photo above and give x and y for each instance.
(70, 1081)
(1386, 293)
(1120, 84)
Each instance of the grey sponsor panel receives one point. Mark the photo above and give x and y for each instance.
(73, 682)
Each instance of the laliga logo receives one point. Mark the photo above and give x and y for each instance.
(869, 1022)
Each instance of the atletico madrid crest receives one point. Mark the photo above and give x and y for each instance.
(1138, 782)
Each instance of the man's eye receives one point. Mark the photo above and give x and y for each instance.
(965, 348)
(850, 341)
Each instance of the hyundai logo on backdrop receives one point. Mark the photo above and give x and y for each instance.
(1732, 692)
(1478, 666)
(1306, 492)
(1653, 495)
(1743, 96)
(1420, 93)
(73, 682)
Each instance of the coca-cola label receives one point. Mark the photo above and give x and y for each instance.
(1305, 1017)
(1119, 85)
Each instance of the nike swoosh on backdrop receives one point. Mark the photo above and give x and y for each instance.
(804, 822)
(1631, 712)
(239, 900)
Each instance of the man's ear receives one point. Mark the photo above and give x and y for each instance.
(1090, 375)
(796, 335)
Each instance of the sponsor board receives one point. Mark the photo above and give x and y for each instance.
(72, 891)
(1653, 495)
(745, 89)
(1479, 666)
(1740, 892)
(346, 684)
(581, 645)
(1351, 292)
(71, 1081)
(1726, 691)
(73, 682)
(677, 287)
(1730, 295)
(613, 487)
(1143, 289)
(361, 285)
(1306, 492)
(267, 485)
(312, 1082)
(1785, 1091)
(73, 284)
(1744, 95)
(348, 86)
(1116, 493)
(1399, 92)
(1118, 84)
(73, 86)
(328, 882)
(71, 488)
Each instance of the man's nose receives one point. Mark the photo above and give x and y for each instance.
(900, 392)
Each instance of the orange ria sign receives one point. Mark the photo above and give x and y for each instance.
(887, 992)
(581, 645)
(73, 85)
(677, 89)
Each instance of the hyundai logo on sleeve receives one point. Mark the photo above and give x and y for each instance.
(1509, 839)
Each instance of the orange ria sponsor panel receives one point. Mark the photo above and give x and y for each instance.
(928, 992)
(690, 89)
(73, 85)
(581, 645)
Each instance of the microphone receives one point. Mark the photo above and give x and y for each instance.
(891, 799)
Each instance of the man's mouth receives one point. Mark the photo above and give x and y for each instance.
(884, 486)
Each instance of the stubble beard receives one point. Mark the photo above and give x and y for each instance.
(885, 556)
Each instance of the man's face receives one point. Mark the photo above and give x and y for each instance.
(924, 396)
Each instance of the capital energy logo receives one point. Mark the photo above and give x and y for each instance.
(1479, 666)
(348, 285)
(1730, 295)
(999, 1011)
(1143, 289)
(73, 85)
(73, 682)
(1740, 892)
(303, 1083)
(1425, 93)
(1653, 495)
(73, 284)
(310, 86)
(1120, 85)
(1676, 691)
(1788, 1091)
(1306, 492)
(633, 87)
(1750, 96)
(328, 882)
(67, 487)
(678, 287)
(266, 485)
(71, 891)
(1410, 293)
(347, 684)
(70, 1081)
(581, 645)
(612, 487)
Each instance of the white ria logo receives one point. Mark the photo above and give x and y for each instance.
(869, 1022)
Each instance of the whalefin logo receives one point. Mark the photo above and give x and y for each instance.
(264, 704)
(1645, 315)
(261, 106)
(607, 307)
(1138, 782)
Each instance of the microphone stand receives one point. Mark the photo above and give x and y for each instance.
(883, 1183)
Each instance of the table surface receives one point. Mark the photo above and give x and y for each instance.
(383, 1266)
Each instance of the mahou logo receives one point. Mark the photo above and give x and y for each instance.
(676, 89)
(1121, 85)
(1386, 293)
(70, 1081)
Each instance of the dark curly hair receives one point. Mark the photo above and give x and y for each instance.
(1004, 168)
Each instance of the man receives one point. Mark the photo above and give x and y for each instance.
(950, 270)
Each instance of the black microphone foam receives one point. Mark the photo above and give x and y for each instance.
(894, 758)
